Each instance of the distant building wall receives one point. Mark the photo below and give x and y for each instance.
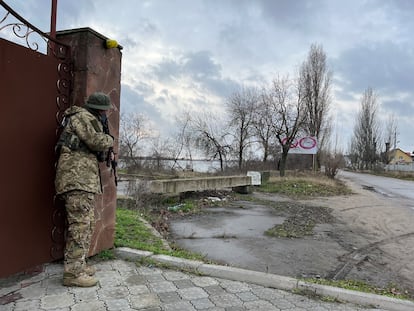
(400, 157)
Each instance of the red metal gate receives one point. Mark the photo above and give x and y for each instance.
(34, 90)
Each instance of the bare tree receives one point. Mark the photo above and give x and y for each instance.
(315, 81)
(390, 138)
(210, 137)
(391, 132)
(263, 125)
(183, 139)
(366, 136)
(286, 102)
(333, 162)
(161, 149)
(133, 130)
(240, 107)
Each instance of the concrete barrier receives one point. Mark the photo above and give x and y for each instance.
(175, 186)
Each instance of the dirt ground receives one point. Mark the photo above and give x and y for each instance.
(364, 236)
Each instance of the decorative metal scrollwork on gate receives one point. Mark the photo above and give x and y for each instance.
(22, 29)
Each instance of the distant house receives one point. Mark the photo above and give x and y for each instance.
(397, 156)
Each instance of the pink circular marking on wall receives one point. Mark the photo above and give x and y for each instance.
(307, 143)
(294, 143)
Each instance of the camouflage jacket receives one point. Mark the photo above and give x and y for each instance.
(77, 167)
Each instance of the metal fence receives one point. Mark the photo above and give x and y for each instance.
(400, 167)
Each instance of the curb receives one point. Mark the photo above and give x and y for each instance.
(270, 280)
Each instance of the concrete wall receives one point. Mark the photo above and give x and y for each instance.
(97, 68)
(175, 186)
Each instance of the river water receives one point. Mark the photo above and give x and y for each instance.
(201, 166)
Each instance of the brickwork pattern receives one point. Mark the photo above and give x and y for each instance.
(126, 286)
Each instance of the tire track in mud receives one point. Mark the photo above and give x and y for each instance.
(356, 257)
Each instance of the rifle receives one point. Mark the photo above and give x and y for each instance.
(111, 162)
(110, 155)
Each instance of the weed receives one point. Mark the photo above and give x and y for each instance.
(186, 207)
(305, 187)
(396, 174)
(391, 290)
(314, 296)
(107, 254)
(131, 232)
(301, 219)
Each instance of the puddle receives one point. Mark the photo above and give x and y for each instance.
(234, 235)
(231, 222)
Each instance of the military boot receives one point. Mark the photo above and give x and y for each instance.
(89, 270)
(82, 280)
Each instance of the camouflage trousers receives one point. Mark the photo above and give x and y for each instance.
(81, 222)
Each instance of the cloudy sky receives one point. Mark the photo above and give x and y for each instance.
(193, 54)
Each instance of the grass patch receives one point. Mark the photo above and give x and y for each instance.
(314, 296)
(391, 290)
(395, 174)
(107, 254)
(290, 229)
(303, 188)
(131, 232)
(301, 219)
(185, 207)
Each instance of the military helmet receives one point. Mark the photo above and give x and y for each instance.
(99, 101)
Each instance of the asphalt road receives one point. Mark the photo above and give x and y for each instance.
(389, 187)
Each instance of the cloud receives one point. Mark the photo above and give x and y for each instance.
(377, 65)
(167, 70)
(133, 100)
(399, 107)
(196, 65)
(185, 54)
(201, 65)
(197, 71)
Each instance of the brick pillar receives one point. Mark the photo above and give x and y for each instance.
(97, 69)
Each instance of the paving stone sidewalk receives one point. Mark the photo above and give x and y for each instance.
(125, 286)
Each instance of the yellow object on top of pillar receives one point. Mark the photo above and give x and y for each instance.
(110, 44)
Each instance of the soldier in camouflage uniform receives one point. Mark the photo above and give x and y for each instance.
(80, 145)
